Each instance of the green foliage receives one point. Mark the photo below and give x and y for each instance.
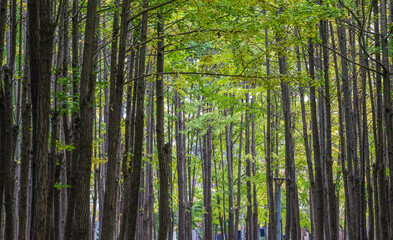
(61, 146)
(60, 185)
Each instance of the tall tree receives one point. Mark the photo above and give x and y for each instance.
(181, 168)
(25, 152)
(40, 39)
(387, 97)
(229, 151)
(333, 231)
(318, 197)
(207, 184)
(162, 149)
(292, 220)
(116, 95)
(81, 224)
(3, 19)
(136, 163)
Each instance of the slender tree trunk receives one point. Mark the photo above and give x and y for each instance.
(8, 136)
(25, 154)
(40, 43)
(254, 174)
(170, 139)
(81, 225)
(74, 130)
(190, 187)
(329, 160)
(232, 233)
(382, 220)
(217, 185)
(115, 100)
(162, 148)
(350, 133)
(131, 144)
(139, 125)
(65, 122)
(387, 97)
(239, 176)
(50, 220)
(116, 94)
(318, 197)
(128, 140)
(181, 171)
(293, 222)
(341, 123)
(6, 122)
(364, 149)
(149, 194)
(355, 178)
(307, 147)
(249, 225)
(224, 229)
(207, 184)
(373, 221)
(272, 234)
(3, 19)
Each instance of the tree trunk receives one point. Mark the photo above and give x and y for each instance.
(249, 225)
(387, 97)
(307, 147)
(293, 222)
(332, 208)
(318, 197)
(81, 224)
(239, 176)
(232, 233)
(272, 234)
(116, 94)
(6, 122)
(207, 184)
(181, 169)
(255, 223)
(342, 155)
(74, 130)
(40, 43)
(3, 20)
(139, 126)
(162, 148)
(25, 154)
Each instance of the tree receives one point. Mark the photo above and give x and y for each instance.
(238, 103)
(81, 224)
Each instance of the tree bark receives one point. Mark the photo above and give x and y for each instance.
(293, 222)
(139, 125)
(318, 197)
(181, 169)
(162, 149)
(332, 208)
(40, 43)
(207, 184)
(3, 20)
(232, 233)
(387, 97)
(239, 176)
(116, 94)
(75, 128)
(81, 224)
(249, 225)
(6, 123)
(25, 154)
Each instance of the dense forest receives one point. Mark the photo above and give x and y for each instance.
(196, 119)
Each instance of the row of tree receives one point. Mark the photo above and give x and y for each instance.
(159, 119)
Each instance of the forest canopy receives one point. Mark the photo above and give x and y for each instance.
(196, 119)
